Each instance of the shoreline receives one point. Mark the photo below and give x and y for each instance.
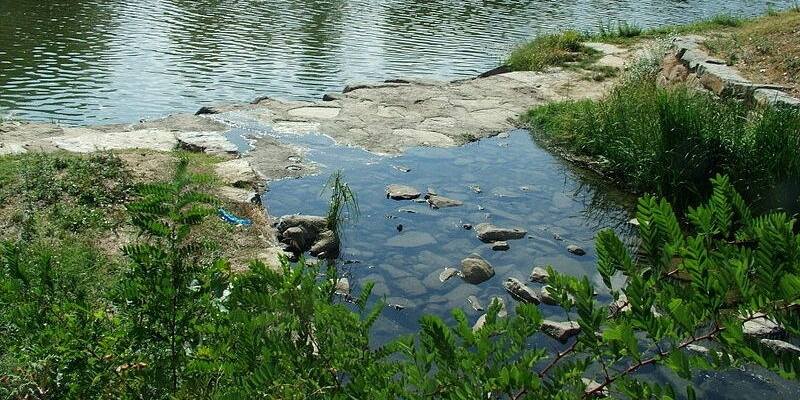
(384, 118)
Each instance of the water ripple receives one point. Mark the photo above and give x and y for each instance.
(120, 61)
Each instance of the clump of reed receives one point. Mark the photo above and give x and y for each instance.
(671, 141)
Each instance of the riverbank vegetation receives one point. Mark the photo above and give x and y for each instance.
(671, 141)
(166, 317)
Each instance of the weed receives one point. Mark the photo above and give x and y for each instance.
(623, 30)
(343, 202)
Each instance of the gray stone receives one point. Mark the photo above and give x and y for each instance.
(401, 192)
(539, 275)
(436, 201)
(206, 142)
(575, 249)
(447, 274)
(776, 98)
(546, 297)
(760, 326)
(77, 141)
(474, 269)
(779, 346)
(315, 112)
(520, 291)
(621, 305)
(593, 387)
(560, 331)
(237, 195)
(500, 246)
(326, 245)
(239, 173)
(299, 232)
(341, 286)
(489, 233)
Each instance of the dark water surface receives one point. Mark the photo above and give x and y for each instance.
(104, 61)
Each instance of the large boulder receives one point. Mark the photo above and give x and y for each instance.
(474, 269)
(489, 233)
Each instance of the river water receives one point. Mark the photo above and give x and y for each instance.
(107, 61)
(103, 61)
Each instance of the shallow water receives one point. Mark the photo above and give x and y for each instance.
(106, 61)
(521, 186)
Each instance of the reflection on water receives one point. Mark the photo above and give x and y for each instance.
(98, 61)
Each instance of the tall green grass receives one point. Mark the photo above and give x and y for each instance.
(672, 141)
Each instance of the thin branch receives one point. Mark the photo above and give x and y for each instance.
(660, 355)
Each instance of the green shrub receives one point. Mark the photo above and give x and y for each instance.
(672, 141)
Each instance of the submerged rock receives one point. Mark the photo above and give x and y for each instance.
(502, 313)
(575, 249)
(474, 269)
(401, 192)
(441, 202)
(475, 303)
(520, 292)
(490, 233)
(447, 274)
(500, 246)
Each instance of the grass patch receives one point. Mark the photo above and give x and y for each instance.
(551, 50)
(672, 141)
(62, 194)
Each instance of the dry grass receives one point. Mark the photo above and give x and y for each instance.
(764, 49)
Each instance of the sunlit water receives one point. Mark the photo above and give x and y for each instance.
(103, 61)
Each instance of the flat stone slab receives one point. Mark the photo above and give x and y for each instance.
(390, 117)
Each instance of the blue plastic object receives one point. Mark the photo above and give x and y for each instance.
(228, 217)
